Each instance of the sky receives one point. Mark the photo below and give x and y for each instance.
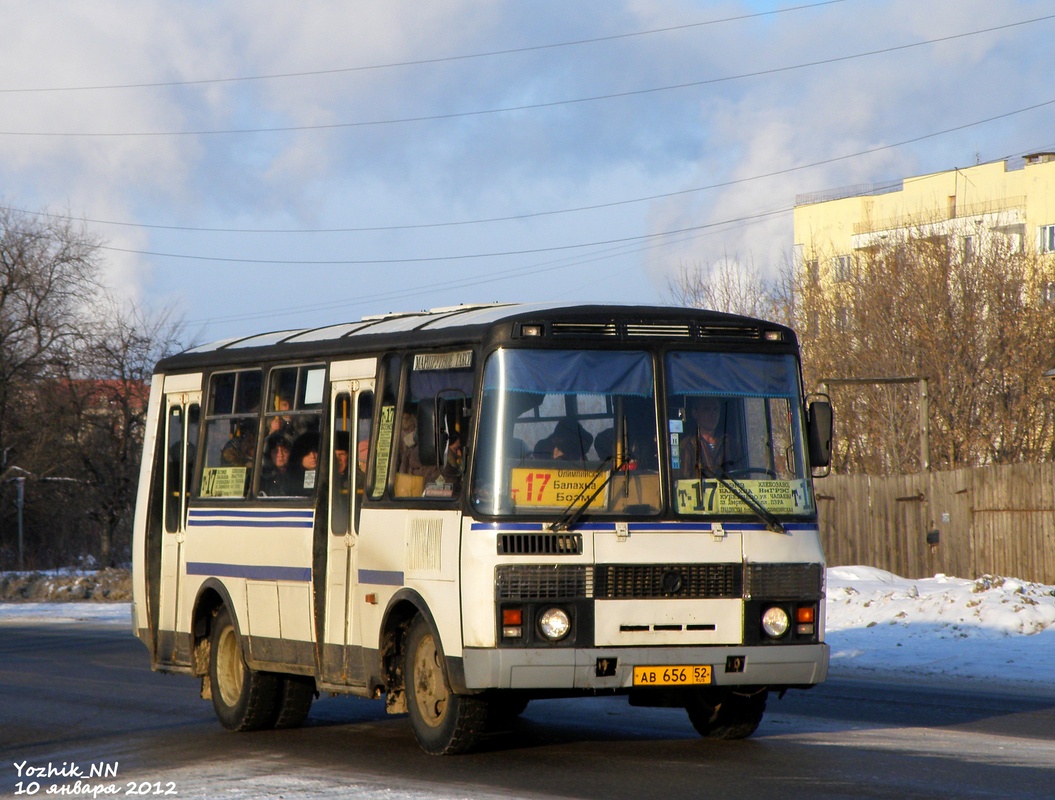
(989, 633)
(252, 166)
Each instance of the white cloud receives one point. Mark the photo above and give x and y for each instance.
(515, 163)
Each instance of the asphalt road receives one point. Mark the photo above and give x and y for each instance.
(81, 695)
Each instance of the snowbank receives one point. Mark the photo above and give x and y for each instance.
(993, 629)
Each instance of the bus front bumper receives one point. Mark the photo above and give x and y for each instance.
(613, 668)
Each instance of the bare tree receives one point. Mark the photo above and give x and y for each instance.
(48, 280)
(74, 368)
(978, 324)
(102, 406)
(726, 285)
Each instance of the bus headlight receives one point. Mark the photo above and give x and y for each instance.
(775, 622)
(554, 624)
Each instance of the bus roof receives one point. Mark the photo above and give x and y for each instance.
(458, 324)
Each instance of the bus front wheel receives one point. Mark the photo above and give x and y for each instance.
(733, 716)
(243, 699)
(444, 723)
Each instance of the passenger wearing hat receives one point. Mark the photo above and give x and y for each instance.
(277, 479)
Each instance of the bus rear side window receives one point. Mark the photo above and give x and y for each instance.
(231, 432)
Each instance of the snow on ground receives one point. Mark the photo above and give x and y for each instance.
(993, 630)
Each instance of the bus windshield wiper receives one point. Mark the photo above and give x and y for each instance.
(744, 495)
(571, 514)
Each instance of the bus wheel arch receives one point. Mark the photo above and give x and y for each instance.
(212, 596)
(405, 606)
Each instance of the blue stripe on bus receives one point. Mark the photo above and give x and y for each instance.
(234, 518)
(691, 527)
(381, 577)
(234, 512)
(260, 573)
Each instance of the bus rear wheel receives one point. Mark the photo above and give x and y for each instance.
(730, 715)
(243, 699)
(443, 722)
(295, 694)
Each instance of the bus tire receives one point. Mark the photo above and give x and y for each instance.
(503, 708)
(734, 716)
(294, 697)
(243, 699)
(443, 722)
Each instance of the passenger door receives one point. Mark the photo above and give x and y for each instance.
(351, 402)
(182, 408)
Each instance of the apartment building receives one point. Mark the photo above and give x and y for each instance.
(1013, 199)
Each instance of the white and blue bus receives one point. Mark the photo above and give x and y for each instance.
(465, 509)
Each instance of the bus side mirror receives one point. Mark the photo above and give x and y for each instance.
(819, 432)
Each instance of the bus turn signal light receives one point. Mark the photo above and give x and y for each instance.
(512, 623)
(805, 617)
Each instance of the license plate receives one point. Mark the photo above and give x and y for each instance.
(672, 676)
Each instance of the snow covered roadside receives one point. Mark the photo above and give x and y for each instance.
(987, 631)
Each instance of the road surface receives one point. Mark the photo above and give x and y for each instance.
(74, 697)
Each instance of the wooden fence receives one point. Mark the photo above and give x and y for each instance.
(965, 523)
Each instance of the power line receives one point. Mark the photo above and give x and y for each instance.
(525, 107)
(554, 212)
(425, 61)
(425, 259)
(473, 281)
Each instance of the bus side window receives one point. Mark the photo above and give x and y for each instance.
(383, 437)
(351, 447)
(433, 424)
(364, 420)
(231, 431)
(174, 469)
(340, 465)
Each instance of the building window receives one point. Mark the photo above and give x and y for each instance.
(968, 249)
(1047, 293)
(843, 268)
(1046, 239)
(813, 271)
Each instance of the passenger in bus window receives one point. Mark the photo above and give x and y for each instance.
(409, 456)
(569, 441)
(277, 479)
(341, 460)
(238, 451)
(281, 424)
(704, 445)
(305, 458)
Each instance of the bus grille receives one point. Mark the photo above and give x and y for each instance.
(686, 581)
(797, 581)
(648, 581)
(728, 332)
(587, 329)
(531, 544)
(638, 330)
(542, 581)
(655, 330)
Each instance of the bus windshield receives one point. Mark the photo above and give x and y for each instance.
(735, 429)
(560, 428)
